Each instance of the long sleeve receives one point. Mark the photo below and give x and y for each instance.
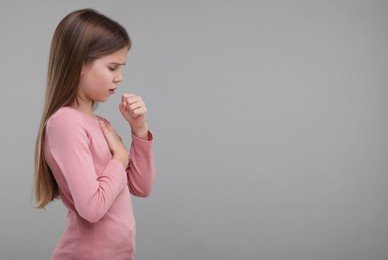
(94, 187)
(68, 144)
(141, 168)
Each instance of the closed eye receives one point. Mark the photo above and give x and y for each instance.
(112, 68)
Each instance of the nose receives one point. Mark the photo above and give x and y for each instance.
(118, 78)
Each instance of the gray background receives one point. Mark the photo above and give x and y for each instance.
(270, 119)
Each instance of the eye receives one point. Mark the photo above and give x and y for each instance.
(112, 68)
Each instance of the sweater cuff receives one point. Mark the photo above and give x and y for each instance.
(138, 139)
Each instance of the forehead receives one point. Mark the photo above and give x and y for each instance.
(116, 57)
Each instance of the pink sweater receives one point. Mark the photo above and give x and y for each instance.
(94, 187)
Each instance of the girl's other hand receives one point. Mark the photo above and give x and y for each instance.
(115, 143)
(134, 110)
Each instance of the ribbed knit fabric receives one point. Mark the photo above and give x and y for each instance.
(95, 187)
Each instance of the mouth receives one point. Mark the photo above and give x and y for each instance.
(112, 90)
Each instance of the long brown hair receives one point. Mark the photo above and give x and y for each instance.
(81, 37)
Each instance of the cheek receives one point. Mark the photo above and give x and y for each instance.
(102, 77)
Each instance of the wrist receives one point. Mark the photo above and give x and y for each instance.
(141, 132)
(123, 158)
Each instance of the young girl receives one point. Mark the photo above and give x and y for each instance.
(79, 156)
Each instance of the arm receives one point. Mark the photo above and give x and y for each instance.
(141, 169)
(69, 146)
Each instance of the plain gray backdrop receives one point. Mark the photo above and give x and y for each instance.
(270, 123)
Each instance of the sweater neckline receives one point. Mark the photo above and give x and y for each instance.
(94, 118)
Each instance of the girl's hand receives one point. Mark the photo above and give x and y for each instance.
(115, 144)
(133, 109)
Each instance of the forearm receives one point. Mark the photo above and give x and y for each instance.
(142, 132)
(141, 169)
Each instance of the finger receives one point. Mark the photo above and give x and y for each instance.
(139, 111)
(109, 132)
(136, 105)
(104, 129)
(133, 100)
(109, 126)
(102, 125)
(122, 106)
(113, 131)
(126, 95)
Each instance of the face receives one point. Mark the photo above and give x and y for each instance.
(99, 79)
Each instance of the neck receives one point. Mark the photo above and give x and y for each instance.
(83, 106)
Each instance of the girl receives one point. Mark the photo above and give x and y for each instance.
(79, 156)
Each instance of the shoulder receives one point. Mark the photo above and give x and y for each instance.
(65, 117)
(68, 126)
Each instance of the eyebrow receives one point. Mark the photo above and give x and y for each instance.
(117, 63)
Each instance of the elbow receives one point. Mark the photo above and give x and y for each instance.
(142, 187)
(144, 193)
(91, 218)
(90, 215)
